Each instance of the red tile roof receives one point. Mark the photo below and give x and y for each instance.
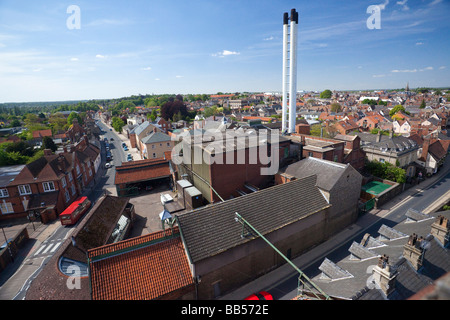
(143, 268)
(42, 133)
(142, 170)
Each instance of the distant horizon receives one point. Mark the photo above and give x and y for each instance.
(183, 94)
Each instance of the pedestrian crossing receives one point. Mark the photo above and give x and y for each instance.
(48, 248)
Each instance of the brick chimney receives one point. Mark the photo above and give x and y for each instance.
(413, 251)
(47, 152)
(425, 146)
(384, 277)
(440, 229)
(378, 136)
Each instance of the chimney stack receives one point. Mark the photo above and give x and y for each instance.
(440, 229)
(289, 71)
(383, 275)
(379, 136)
(47, 152)
(413, 251)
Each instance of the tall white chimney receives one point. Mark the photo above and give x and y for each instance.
(289, 71)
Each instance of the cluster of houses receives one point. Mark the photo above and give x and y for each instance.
(43, 189)
(208, 250)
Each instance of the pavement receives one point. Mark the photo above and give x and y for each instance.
(284, 272)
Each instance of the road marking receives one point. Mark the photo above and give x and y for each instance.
(56, 247)
(40, 249)
(48, 248)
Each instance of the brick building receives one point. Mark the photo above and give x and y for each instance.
(45, 187)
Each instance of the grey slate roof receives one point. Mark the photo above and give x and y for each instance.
(211, 230)
(156, 137)
(436, 263)
(328, 172)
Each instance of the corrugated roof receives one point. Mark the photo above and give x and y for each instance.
(211, 230)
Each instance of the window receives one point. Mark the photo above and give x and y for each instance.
(310, 154)
(63, 182)
(335, 158)
(168, 144)
(90, 172)
(73, 190)
(4, 193)
(48, 186)
(24, 189)
(78, 169)
(382, 160)
(153, 146)
(154, 155)
(67, 196)
(70, 176)
(6, 207)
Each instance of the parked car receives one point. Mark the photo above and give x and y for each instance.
(4, 245)
(108, 165)
(129, 157)
(112, 139)
(125, 148)
(262, 295)
(110, 129)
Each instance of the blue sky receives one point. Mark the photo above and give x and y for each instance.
(199, 46)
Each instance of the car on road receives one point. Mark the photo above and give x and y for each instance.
(108, 165)
(112, 139)
(110, 129)
(125, 148)
(124, 144)
(262, 295)
(5, 244)
(129, 157)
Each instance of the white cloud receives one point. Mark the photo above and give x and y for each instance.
(435, 2)
(99, 56)
(147, 68)
(442, 67)
(403, 4)
(426, 69)
(74, 59)
(419, 43)
(383, 6)
(413, 70)
(269, 38)
(37, 69)
(378, 76)
(178, 77)
(225, 53)
(157, 79)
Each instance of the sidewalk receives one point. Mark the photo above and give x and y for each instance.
(284, 272)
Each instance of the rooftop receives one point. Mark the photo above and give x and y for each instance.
(142, 268)
(211, 230)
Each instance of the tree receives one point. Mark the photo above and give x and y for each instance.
(172, 107)
(72, 116)
(396, 109)
(48, 143)
(117, 124)
(386, 171)
(336, 107)
(423, 104)
(326, 94)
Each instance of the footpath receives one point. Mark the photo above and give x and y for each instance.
(319, 252)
